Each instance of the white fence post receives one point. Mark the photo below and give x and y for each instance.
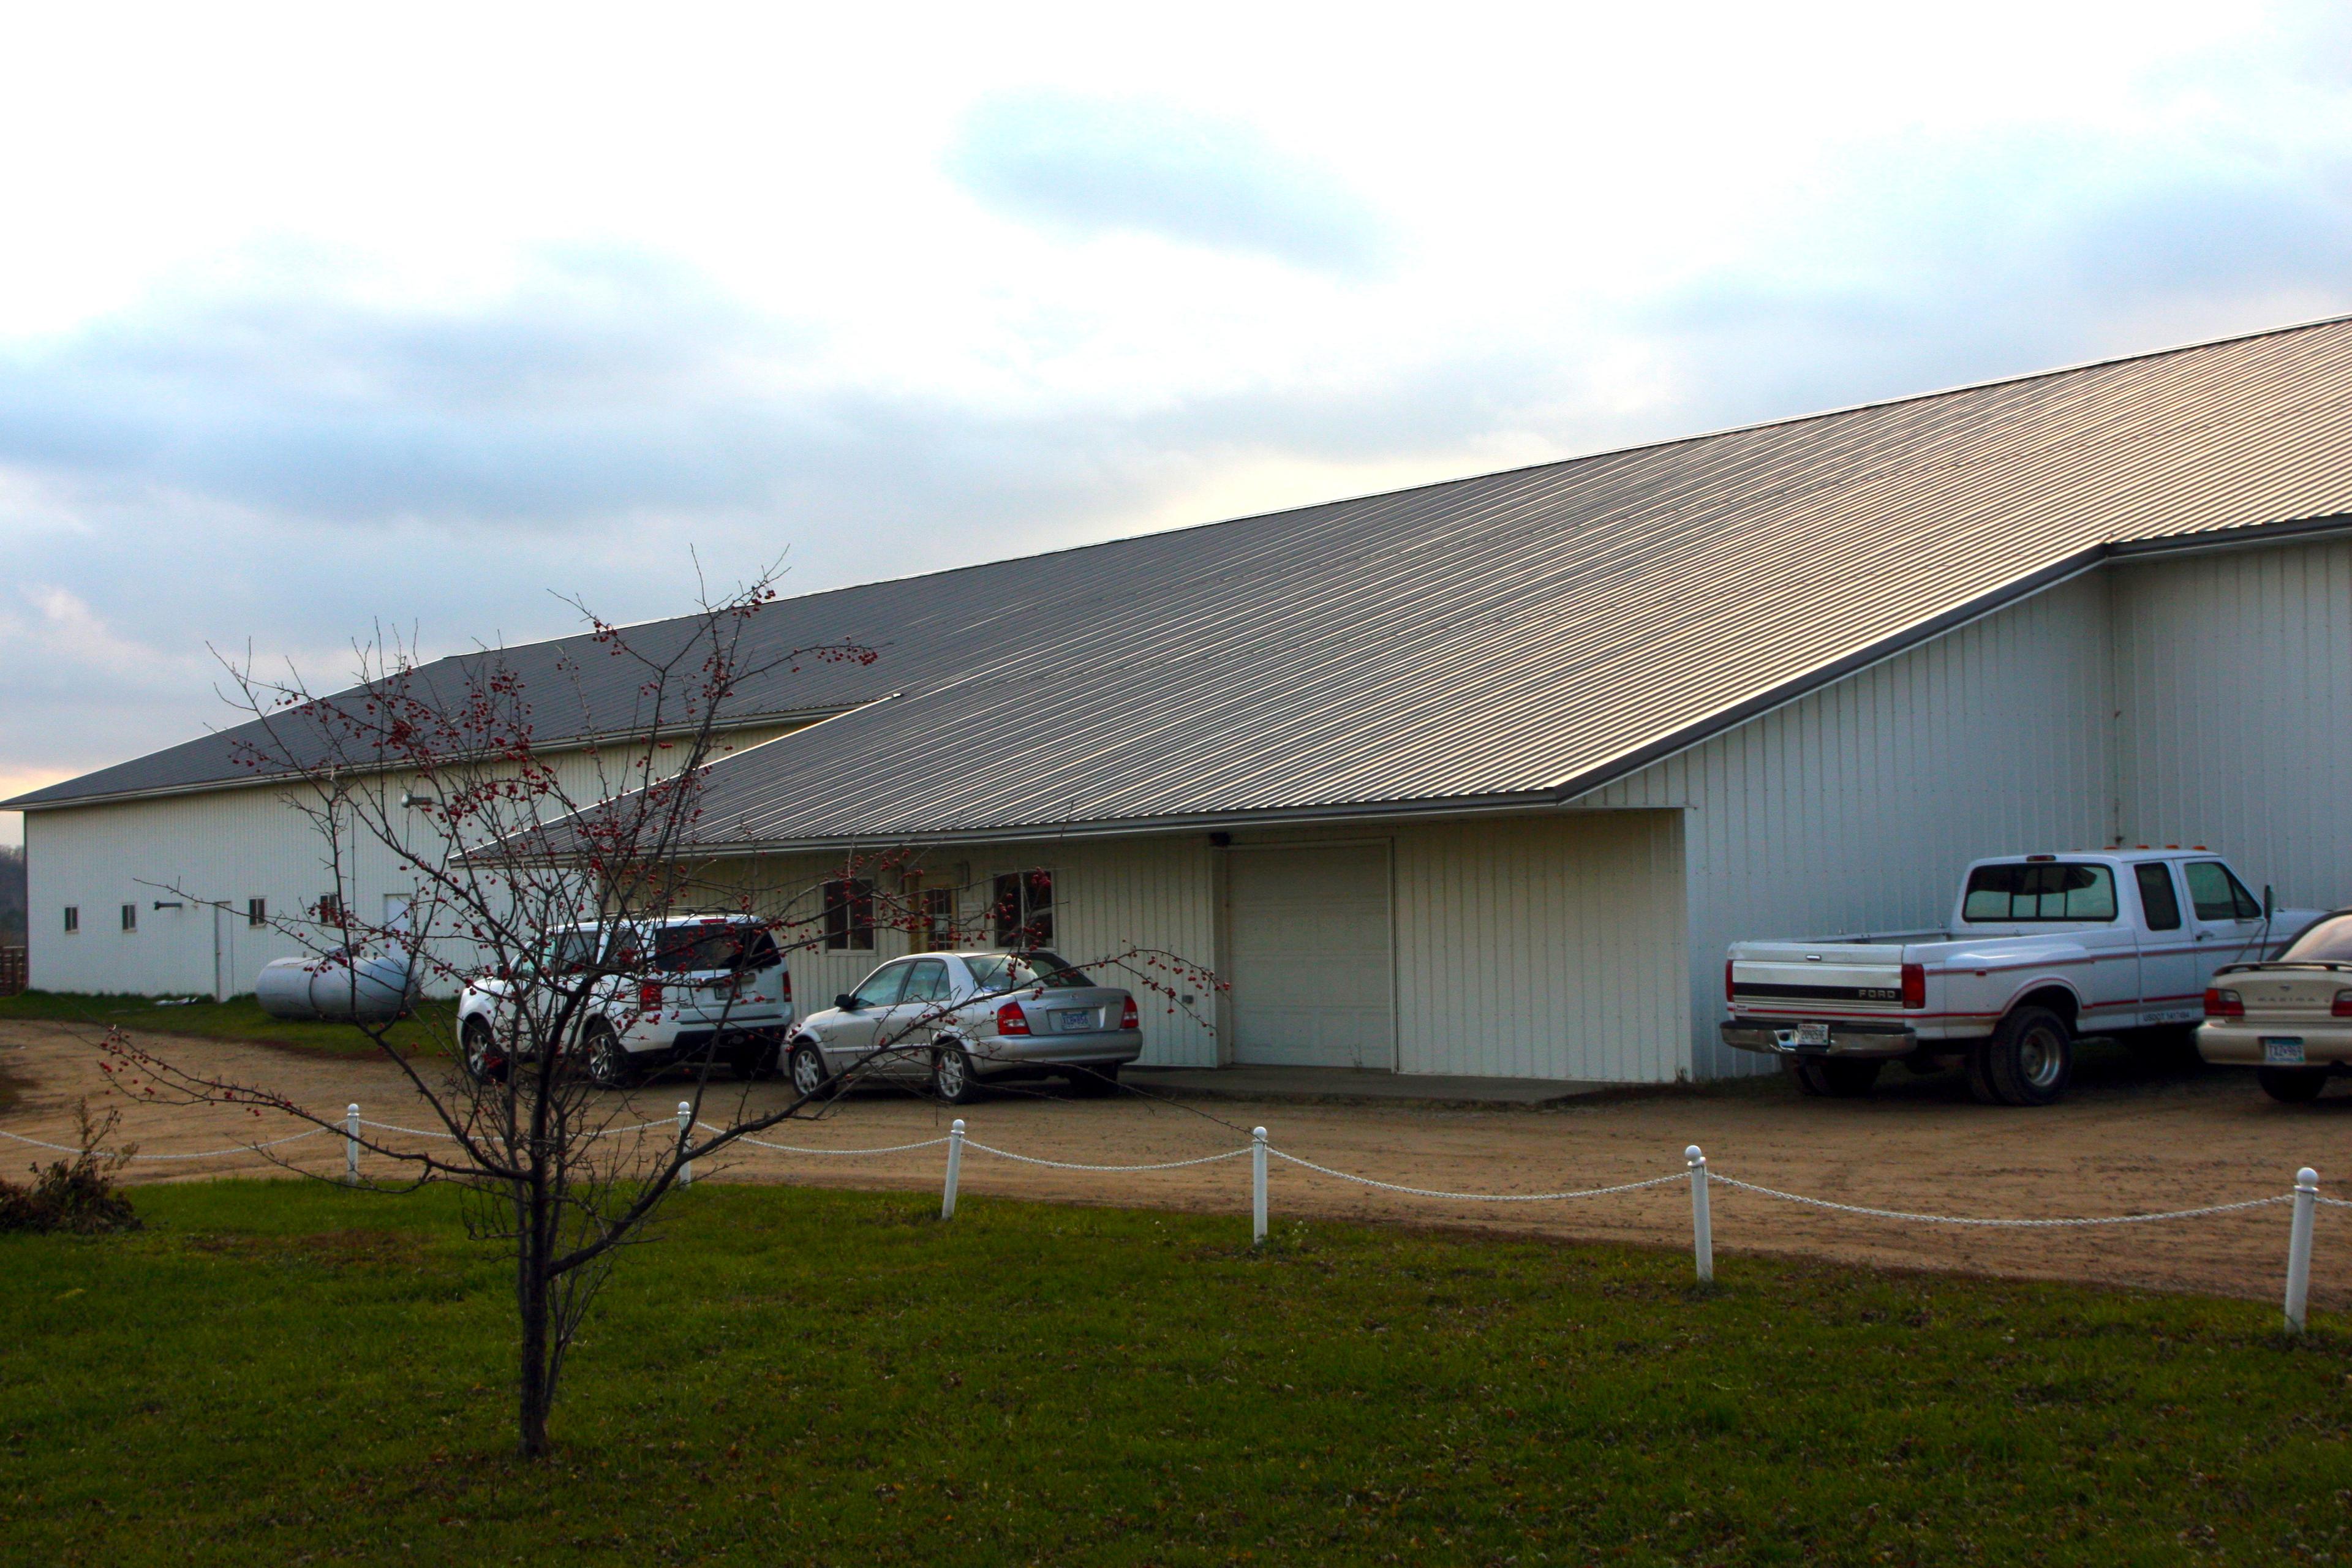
(955, 1169)
(1258, 1186)
(1702, 1223)
(351, 1144)
(2298, 1248)
(686, 1136)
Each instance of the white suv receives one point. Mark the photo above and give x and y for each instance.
(687, 988)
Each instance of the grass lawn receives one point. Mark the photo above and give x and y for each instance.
(281, 1373)
(239, 1018)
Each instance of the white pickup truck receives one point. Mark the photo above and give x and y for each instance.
(2040, 949)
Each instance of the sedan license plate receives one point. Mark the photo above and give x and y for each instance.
(2279, 1050)
(1077, 1019)
(1812, 1033)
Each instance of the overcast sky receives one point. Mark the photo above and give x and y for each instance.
(329, 316)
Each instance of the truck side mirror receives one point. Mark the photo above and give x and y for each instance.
(2269, 904)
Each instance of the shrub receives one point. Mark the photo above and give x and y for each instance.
(78, 1194)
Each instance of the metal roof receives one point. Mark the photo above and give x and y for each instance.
(1513, 639)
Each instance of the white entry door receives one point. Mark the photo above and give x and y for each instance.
(1310, 953)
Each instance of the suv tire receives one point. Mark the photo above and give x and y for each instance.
(483, 1062)
(2029, 1059)
(608, 1064)
(1829, 1078)
(2292, 1085)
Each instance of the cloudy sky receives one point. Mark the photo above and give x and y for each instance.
(324, 317)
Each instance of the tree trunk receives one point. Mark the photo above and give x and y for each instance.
(534, 1386)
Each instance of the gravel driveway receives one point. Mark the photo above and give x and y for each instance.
(2128, 1140)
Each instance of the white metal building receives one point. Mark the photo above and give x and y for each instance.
(1481, 777)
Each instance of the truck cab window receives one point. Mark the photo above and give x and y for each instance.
(2158, 901)
(2217, 894)
(2040, 891)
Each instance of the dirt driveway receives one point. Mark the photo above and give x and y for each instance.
(2128, 1140)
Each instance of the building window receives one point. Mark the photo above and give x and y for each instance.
(331, 908)
(940, 919)
(73, 919)
(849, 915)
(1022, 909)
(257, 911)
(131, 917)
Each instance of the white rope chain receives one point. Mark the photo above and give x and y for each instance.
(451, 1137)
(201, 1154)
(795, 1149)
(2015, 1224)
(1072, 1165)
(1478, 1198)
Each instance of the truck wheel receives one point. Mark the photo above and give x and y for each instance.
(2292, 1085)
(2030, 1059)
(1830, 1080)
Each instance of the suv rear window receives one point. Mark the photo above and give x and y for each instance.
(2040, 891)
(692, 949)
(1013, 971)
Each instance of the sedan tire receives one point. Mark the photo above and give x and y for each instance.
(807, 1067)
(2292, 1085)
(952, 1078)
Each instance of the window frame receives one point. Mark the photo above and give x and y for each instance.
(130, 919)
(73, 920)
(257, 912)
(1020, 919)
(848, 915)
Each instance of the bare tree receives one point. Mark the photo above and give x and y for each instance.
(547, 830)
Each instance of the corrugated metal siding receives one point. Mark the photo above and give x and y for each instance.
(2234, 683)
(1542, 947)
(228, 845)
(1854, 808)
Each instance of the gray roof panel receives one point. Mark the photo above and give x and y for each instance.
(1503, 636)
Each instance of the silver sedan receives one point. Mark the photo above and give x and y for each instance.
(961, 1018)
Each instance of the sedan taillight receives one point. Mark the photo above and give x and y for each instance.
(1129, 1018)
(2343, 1008)
(1012, 1020)
(2220, 1004)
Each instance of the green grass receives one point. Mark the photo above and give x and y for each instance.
(239, 1018)
(281, 1373)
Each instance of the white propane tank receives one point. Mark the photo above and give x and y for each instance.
(367, 987)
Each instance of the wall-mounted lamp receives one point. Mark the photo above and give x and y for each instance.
(412, 800)
(162, 904)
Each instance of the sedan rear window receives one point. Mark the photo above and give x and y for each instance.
(2330, 941)
(1014, 971)
(2040, 891)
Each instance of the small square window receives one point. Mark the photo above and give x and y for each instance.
(1022, 909)
(257, 911)
(849, 915)
(131, 917)
(331, 908)
(73, 919)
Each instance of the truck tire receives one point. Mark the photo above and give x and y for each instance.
(2292, 1085)
(1819, 1078)
(2029, 1059)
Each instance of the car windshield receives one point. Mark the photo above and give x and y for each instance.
(2330, 941)
(1016, 970)
(2040, 891)
(690, 948)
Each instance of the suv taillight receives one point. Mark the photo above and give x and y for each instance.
(2221, 1003)
(1729, 995)
(1914, 985)
(787, 978)
(649, 995)
(1129, 1018)
(1012, 1020)
(2343, 1008)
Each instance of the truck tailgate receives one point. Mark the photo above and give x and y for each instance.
(1781, 975)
